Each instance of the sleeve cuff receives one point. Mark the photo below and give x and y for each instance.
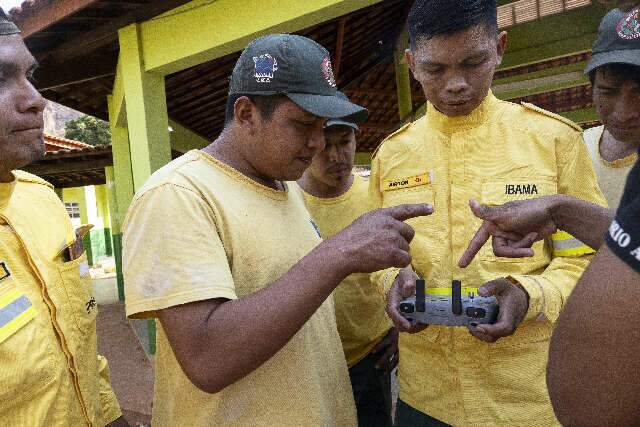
(110, 408)
(536, 296)
(383, 280)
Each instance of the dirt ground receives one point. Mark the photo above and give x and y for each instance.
(131, 369)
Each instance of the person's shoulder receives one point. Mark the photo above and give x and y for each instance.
(176, 173)
(544, 120)
(27, 178)
(399, 140)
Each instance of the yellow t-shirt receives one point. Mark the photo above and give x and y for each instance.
(612, 176)
(199, 229)
(362, 321)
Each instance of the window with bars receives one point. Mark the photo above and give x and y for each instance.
(73, 209)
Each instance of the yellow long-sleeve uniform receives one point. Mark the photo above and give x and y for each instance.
(50, 373)
(499, 152)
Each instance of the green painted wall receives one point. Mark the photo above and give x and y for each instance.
(553, 36)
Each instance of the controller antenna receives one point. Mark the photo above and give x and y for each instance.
(456, 297)
(420, 297)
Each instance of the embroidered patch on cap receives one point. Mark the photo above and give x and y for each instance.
(265, 68)
(629, 26)
(327, 72)
(4, 271)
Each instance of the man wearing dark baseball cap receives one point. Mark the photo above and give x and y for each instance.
(335, 197)
(221, 249)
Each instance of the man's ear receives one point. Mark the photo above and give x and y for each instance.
(246, 114)
(501, 45)
(410, 60)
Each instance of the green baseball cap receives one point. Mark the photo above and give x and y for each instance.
(618, 40)
(294, 66)
(349, 121)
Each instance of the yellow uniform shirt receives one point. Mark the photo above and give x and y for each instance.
(499, 152)
(612, 176)
(362, 320)
(198, 230)
(50, 374)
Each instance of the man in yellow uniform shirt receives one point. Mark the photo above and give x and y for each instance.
(470, 145)
(49, 371)
(222, 250)
(335, 198)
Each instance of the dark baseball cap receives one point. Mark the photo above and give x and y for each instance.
(294, 66)
(348, 121)
(618, 40)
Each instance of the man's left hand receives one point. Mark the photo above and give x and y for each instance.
(388, 348)
(514, 303)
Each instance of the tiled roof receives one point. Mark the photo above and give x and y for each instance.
(56, 143)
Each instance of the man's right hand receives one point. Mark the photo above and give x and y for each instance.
(513, 227)
(403, 287)
(377, 240)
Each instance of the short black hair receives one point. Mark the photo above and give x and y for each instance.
(266, 104)
(429, 18)
(622, 71)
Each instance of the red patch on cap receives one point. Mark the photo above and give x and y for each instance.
(327, 72)
(629, 27)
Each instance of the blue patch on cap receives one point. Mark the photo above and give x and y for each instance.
(265, 68)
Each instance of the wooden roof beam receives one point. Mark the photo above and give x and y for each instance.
(108, 33)
(50, 14)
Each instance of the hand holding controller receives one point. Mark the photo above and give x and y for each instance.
(455, 310)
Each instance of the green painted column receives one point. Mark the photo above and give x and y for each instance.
(147, 119)
(116, 235)
(403, 80)
(146, 108)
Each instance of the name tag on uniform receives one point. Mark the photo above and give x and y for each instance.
(412, 181)
(16, 311)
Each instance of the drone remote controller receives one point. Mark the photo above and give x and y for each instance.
(455, 310)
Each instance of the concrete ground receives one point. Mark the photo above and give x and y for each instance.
(130, 367)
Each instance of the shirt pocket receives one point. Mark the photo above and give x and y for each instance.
(498, 192)
(26, 358)
(76, 282)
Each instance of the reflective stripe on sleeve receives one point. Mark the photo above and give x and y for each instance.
(564, 244)
(15, 311)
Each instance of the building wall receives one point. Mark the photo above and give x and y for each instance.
(92, 208)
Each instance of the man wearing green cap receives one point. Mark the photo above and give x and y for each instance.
(221, 249)
(336, 197)
(593, 358)
(50, 374)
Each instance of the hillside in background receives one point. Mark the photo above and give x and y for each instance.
(55, 116)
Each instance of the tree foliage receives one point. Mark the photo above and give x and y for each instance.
(89, 130)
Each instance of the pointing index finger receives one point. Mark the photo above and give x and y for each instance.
(408, 211)
(482, 235)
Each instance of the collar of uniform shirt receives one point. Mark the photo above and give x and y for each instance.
(6, 190)
(448, 124)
